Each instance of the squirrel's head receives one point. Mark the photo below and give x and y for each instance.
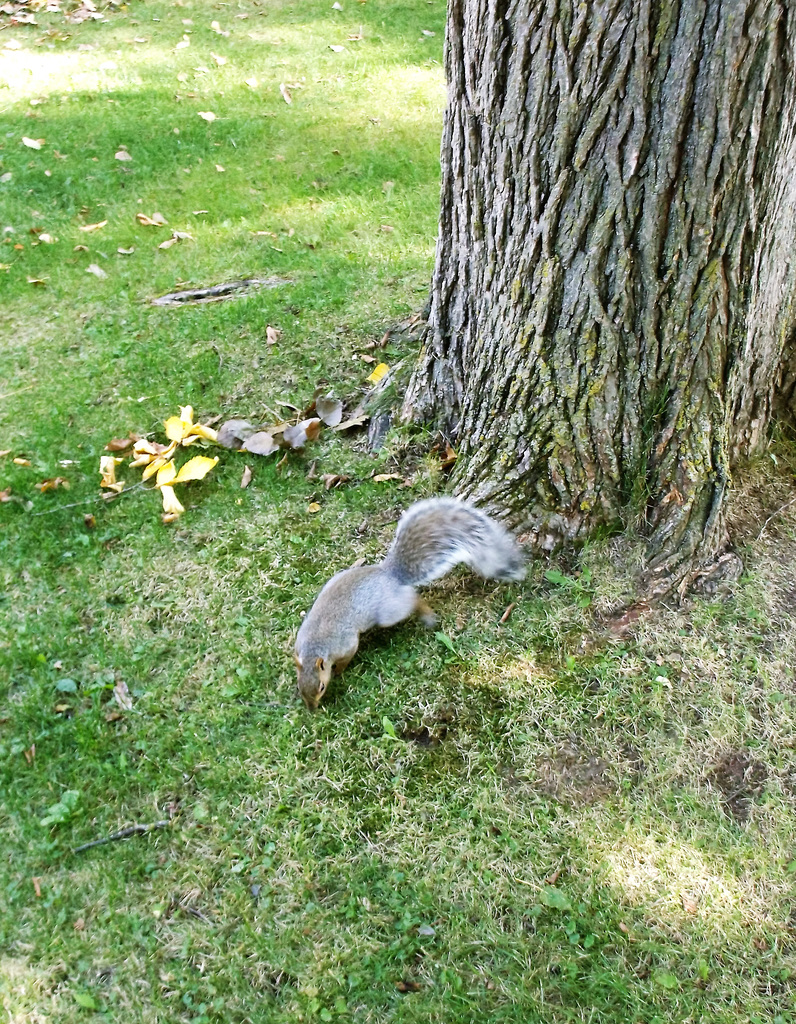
(313, 678)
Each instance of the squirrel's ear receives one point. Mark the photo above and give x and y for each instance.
(319, 663)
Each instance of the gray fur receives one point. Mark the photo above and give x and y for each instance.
(435, 535)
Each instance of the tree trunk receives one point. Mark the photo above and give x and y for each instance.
(614, 296)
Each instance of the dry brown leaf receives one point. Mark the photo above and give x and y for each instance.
(217, 29)
(380, 478)
(47, 239)
(272, 334)
(331, 480)
(233, 433)
(122, 696)
(96, 270)
(5, 451)
(206, 115)
(80, 248)
(285, 93)
(366, 358)
(113, 716)
(21, 462)
(89, 521)
(36, 280)
(690, 903)
(221, 61)
(219, 168)
(93, 227)
(5, 495)
(449, 457)
(246, 479)
(252, 83)
(329, 409)
(126, 252)
(357, 420)
(53, 484)
(32, 143)
(298, 436)
(156, 220)
(122, 155)
(261, 443)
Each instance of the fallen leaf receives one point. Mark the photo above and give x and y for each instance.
(379, 373)
(93, 227)
(79, 925)
(166, 473)
(123, 155)
(313, 507)
(336, 6)
(285, 93)
(331, 480)
(408, 986)
(171, 504)
(156, 220)
(53, 484)
(366, 358)
(107, 468)
(690, 903)
(21, 462)
(272, 334)
(217, 29)
(113, 716)
(47, 239)
(195, 469)
(233, 433)
(307, 430)
(185, 41)
(176, 236)
(178, 427)
(449, 457)
(504, 618)
(219, 168)
(5, 451)
(96, 270)
(221, 61)
(126, 252)
(357, 420)
(246, 479)
(32, 143)
(89, 521)
(36, 280)
(428, 33)
(330, 410)
(6, 177)
(252, 83)
(260, 443)
(337, 49)
(387, 188)
(386, 227)
(122, 696)
(207, 115)
(379, 478)
(36, 886)
(30, 753)
(80, 248)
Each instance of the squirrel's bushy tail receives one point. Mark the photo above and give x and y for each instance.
(435, 535)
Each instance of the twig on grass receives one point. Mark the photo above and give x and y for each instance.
(131, 830)
(779, 511)
(88, 501)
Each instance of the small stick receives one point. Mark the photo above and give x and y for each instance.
(86, 501)
(504, 618)
(132, 830)
(774, 516)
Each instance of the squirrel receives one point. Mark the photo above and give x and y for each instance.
(432, 537)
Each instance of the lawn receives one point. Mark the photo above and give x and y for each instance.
(522, 818)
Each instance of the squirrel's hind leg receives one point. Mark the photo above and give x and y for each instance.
(426, 613)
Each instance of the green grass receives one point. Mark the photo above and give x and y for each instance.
(566, 826)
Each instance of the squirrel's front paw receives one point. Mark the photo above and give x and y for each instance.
(427, 615)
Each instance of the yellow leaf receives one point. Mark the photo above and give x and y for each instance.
(313, 507)
(166, 473)
(175, 428)
(92, 227)
(199, 430)
(171, 503)
(380, 371)
(195, 469)
(154, 466)
(107, 468)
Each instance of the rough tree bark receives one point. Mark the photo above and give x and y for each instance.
(614, 296)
